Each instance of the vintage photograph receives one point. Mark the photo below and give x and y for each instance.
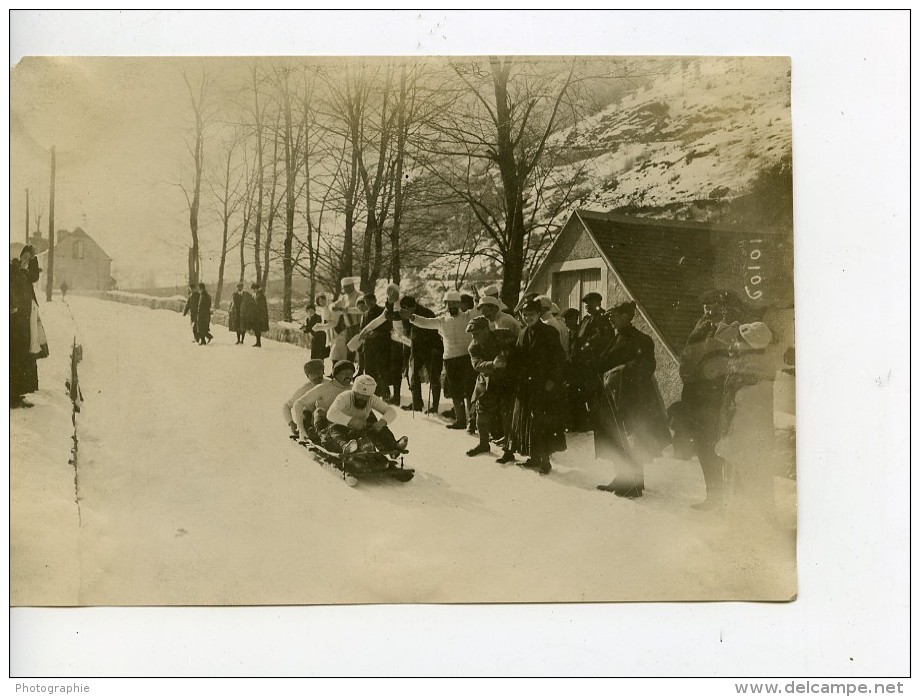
(352, 330)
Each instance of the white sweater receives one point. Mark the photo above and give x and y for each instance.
(452, 330)
(288, 407)
(343, 410)
(320, 397)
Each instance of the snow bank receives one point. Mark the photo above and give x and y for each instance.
(44, 489)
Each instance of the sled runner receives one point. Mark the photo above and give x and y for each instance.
(360, 466)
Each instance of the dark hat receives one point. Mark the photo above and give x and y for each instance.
(477, 323)
(254, 286)
(592, 296)
(407, 301)
(341, 365)
(627, 307)
(532, 305)
(571, 312)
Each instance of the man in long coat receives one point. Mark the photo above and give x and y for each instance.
(259, 322)
(376, 350)
(191, 309)
(629, 420)
(703, 367)
(203, 316)
(493, 397)
(234, 314)
(426, 356)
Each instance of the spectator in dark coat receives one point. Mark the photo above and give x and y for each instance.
(203, 316)
(538, 424)
(235, 319)
(426, 357)
(576, 398)
(703, 366)
(191, 309)
(259, 314)
(247, 312)
(318, 347)
(23, 367)
(629, 419)
(399, 343)
(375, 352)
(493, 396)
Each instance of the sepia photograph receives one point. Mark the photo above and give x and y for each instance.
(403, 330)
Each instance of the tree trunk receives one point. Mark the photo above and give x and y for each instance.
(401, 126)
(290, 176)
(260, 186)
(272, 214)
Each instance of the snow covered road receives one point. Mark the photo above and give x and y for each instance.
(191, 493)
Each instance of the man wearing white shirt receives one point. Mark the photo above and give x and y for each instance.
(460, 373)
(354, 425)
(309, 410)
(313, 369)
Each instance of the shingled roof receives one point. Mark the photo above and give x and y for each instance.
(667, 265)
(664, 265)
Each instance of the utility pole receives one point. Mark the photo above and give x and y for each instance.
(50, 285)
(27, 216)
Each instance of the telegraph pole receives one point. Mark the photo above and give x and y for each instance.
(27, 216)
(50, 285)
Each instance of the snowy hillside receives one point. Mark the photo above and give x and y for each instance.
(704, 130)
(188, 491)
(684, 145)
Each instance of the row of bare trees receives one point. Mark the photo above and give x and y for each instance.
(374, 167)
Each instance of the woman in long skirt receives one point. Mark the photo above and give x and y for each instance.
(538, 423)
(23, 369)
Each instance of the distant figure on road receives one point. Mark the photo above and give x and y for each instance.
(259, 314)
(191, 309)
(203, 316)
(64, 289)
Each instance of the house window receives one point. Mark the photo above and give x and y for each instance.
(78, 249)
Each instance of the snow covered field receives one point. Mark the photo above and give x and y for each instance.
(188, 491)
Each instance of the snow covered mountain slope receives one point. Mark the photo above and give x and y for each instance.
(704, 129)
(190, 492)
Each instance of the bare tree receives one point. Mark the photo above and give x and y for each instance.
(293, 144)
(258, 113)
(492, 148)
(274, 203)
(364, 117)
(249, 192)
(225, 188)
(315, 151)
(198, 97)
